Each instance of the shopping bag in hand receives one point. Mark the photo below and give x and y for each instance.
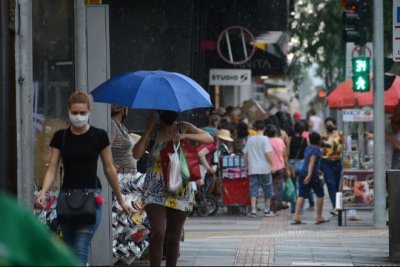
(184, 166)
(174, 171)
(289, 193)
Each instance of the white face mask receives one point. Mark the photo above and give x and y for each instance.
(79, 120)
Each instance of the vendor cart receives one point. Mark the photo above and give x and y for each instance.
(356, 191)
(235, 181)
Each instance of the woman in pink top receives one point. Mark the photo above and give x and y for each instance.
(279, 166)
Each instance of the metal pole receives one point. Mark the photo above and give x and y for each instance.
(4, 97)
(379, 119)
(24, 105)
(81, 69)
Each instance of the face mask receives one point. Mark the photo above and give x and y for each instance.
(168, 117)
(330, 128)
(78, 120)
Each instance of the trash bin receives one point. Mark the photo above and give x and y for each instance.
(393, 185)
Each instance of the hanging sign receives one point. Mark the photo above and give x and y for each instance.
(358, 115)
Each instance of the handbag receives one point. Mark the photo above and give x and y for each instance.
(75, 207)
(298, 164)
(191, 156)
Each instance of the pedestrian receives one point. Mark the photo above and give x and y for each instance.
(79, 146)
(122, 143)
(315, 121)
(279, 167)
(257, 155)
(213, 124)
(297, 146)
(165, 210)
(393, 143)
(331, 163)
(309, 178)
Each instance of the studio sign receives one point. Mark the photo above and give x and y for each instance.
(230, 77)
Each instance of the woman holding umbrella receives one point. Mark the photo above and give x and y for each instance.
(166, 211)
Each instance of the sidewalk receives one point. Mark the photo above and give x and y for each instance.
(240, 240)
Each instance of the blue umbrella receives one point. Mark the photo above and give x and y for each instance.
(153, 90)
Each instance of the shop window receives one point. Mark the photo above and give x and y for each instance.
(53, 75)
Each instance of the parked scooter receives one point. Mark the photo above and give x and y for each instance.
(205, 204)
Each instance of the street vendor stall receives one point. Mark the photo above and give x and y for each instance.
(235, 181)
(357, 181)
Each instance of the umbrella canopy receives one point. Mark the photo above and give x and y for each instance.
(344, 97)
(153, 90)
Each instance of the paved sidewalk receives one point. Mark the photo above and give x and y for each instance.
(240, 240)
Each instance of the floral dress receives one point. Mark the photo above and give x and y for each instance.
(156, 191)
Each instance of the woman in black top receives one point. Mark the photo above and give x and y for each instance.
(79, 146)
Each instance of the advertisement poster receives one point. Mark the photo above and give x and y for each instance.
(358, 188)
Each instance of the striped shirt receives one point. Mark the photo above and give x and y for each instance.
(122, 146)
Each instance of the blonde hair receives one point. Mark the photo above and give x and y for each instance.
(79, 97)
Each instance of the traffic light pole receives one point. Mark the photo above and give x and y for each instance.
(379, 119)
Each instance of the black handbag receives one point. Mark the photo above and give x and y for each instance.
(75, 207)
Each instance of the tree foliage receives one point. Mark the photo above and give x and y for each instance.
(317, 37)
(316, 29)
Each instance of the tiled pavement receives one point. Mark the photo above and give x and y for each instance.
(239, 240)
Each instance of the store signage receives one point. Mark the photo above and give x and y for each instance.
(233, 77)
(358, 115)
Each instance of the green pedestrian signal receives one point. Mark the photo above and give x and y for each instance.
(361, 82)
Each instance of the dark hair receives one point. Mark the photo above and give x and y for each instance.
(271, 130)
(315, 138)
(299, 127)
(259, 125)
(305, 124)
(242, 130)
(330, 119)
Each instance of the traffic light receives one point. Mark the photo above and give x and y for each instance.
(356, 21)
(361, 82)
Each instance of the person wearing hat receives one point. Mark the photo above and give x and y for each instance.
(224, 141)
(297, 116)
(122, 142)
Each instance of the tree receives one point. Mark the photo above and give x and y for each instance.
(316, 29)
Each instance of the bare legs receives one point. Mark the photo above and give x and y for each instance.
(299, 205)
(166, 223)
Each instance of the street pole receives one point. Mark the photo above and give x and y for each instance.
(4, 97)
(379, 119)
(24, 86)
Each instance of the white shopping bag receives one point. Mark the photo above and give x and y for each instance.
(174, 171)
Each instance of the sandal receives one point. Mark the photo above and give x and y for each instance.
(295, 222)
(322, 221)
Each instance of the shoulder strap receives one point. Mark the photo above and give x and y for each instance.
(61, 155)
(178, 127)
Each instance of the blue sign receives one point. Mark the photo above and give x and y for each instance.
(398, 14)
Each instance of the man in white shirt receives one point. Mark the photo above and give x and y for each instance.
(257, 155)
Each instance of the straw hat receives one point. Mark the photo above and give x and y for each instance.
(224, 135)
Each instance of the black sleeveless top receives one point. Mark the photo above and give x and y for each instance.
(297, 146)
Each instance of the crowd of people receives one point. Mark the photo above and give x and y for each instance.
(304, 148)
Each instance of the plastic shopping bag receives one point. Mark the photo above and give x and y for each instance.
(184, 166)
(174, 171)
(289, 193)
